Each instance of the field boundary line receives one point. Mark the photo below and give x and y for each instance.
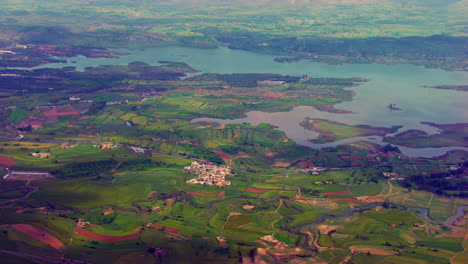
(430, 200)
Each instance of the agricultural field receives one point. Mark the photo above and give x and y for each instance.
(410, 244)
(137, 149)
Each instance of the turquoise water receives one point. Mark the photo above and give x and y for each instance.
(399, 84)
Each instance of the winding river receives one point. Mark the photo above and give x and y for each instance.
(400, 84)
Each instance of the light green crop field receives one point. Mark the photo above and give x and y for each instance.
(83, 193)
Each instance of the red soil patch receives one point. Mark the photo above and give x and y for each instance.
(281, 164)
(153, 226)
(163, 228)
(62, 110)
(374, 199)
(107, 212)
(7, 162)
(206, 195)
(39, 234)
(254, 190)
(305, 164)
(337, 192)
(270, 96)
(349, 200)
(54, 112)
(92, 235)
(223, 155)
(172, 230)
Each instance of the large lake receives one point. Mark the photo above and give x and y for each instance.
(400, 84)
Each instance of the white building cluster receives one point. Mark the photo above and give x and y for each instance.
(209, 173)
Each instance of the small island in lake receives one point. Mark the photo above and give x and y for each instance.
(331, 131)
(451, 135)
(463, 88)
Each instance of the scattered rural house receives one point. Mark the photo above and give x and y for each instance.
(66, 146)
(9, 74)
(74, 98)
(325, 182)
(271, 83)
(276, 243)
(138, 150)
(117, 102)
(82, 223)
(209, 173)
(150, 95)
(41, 155)
(159, 139)
(105, 146)
(314, 170)
(223, 241)
(6, 51)
(28, 175)
(390, 174)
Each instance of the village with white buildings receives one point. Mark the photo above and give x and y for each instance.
(209, 173)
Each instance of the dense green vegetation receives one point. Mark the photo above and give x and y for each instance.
(85, 169)
(447, 183)
(331, 31)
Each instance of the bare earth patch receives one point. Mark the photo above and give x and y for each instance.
(337, 192)
(7, 162)
(240, 156)
(223, 155)
(373, 251)
(282, 164)
(39, 234)
(254, 190)
(326, 229)
(92, 235)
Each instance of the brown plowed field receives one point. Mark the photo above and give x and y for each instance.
(39, 234)
(92, 235)
(163, 228)
(206, 195)
(7, 162)
(337, 192)
(255, 190)
(153, 226)
(172, 230)
(305, 164)
(223, 155)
